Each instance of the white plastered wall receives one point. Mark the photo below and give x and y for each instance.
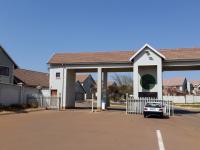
(147, 59)
(64, 85)
(56, 83)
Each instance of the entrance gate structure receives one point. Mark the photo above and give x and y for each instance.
(147, 65)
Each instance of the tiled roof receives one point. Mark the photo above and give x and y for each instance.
(181, 53)
(81, 77)
(93, 57)
(195, 82)
(120, 56)
(32, 78)
(176, 81)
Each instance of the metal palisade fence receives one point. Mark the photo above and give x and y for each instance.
(136, 106)
(50, 102)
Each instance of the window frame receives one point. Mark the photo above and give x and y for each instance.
(57, 73)
(8, 71)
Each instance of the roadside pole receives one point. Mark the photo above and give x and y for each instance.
(92, 102)
(169, 108)
(172, 104)
(126, 102)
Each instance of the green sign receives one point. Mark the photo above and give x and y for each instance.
(147, 81)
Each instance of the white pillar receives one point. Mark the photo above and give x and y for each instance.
(63, 94)
(99, 87)
(135, 81)
(70, 89)
(159, 81)
(21, 96)
(85, 96)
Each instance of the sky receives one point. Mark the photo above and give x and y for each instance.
(31, 31)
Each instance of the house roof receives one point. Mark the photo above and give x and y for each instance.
(111, 82)
(121, 56)
(181, 53)
(176, 81)
(91, 57)
(32, 78)
(10, 58)
(195, 82)
(78, 83)
(81, 77)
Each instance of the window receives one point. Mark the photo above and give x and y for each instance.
(4, 71)
(57, 75)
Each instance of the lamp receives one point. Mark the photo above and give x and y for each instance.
(147, 52)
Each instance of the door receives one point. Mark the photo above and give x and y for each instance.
(53, 92)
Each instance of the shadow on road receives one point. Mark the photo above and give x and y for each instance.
(116, 109)
(84, 107)
(182, 111)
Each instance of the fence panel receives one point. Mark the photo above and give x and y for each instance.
(51, 102)
(136, 106)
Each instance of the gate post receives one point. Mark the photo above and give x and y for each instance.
(126, 103)
(99, 88)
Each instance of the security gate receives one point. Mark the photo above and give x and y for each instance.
(136, 106)
(52, 102)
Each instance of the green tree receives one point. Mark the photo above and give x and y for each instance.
(124, 84)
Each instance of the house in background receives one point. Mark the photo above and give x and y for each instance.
(196, 87)
(17, 85)
(177, 86)
(84, 86)
(33, 79)
(111, 83)
(88, 83)
(7, 67)
(79, 91)
(40, 80)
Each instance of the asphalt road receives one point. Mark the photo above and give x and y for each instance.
(82, 129)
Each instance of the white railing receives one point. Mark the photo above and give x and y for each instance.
(51, 102)
(136, 106)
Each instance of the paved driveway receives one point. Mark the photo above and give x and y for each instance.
(81, 129)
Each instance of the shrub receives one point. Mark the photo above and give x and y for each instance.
(33, 104)
(16, 106)
(2, 107)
